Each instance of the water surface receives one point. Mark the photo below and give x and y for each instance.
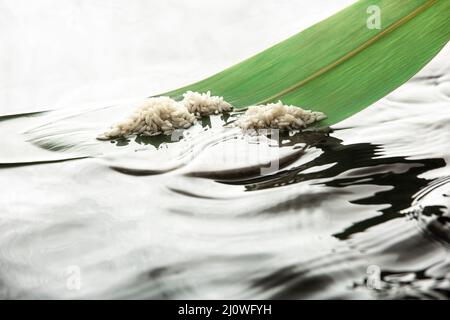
(359, 212)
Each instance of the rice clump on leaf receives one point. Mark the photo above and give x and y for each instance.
(156, 116)
(203, 104)
(278, 116)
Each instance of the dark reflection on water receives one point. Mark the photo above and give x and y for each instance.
(362, 156)
(340, 272)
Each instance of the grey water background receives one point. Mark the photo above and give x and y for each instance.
(360, 213)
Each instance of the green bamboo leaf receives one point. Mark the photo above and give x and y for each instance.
(339, 66)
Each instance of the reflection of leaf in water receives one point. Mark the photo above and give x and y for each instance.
(122, 142)
(225, 116)
(344, 158)
(206, 122)
(155, 141)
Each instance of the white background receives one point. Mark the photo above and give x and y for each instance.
(64, 53)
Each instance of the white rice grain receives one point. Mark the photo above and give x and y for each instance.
(156, 116)
(203, 104)
(278, 116)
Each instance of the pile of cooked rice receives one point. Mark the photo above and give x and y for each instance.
(278, 116)
(163, 115)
